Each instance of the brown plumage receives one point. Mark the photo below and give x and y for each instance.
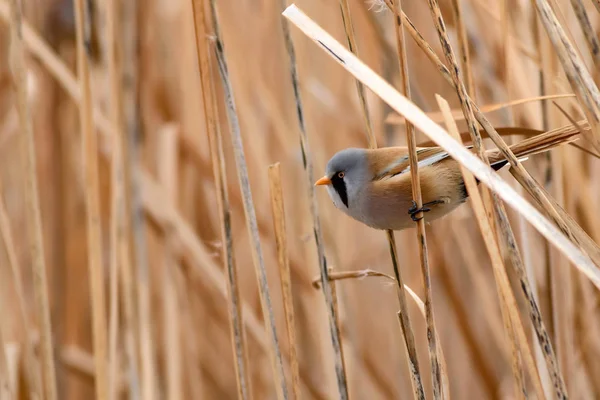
(374, 187)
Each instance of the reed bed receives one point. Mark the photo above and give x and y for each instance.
(161, 238)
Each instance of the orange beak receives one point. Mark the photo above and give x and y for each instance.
(323, 181)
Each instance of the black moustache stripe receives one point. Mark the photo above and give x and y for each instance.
(340, 187)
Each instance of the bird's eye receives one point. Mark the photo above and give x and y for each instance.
(340, 174)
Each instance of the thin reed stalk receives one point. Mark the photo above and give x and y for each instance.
(34, 218)
(131, 204)
(405, 324)
(418, 200)
(92, 191)
(336, 341)
(242, 172)
(172, 322)
(338, 323)
(238, 336)
(118, 235)
(463, 47)
(142, 284)
(279, 226)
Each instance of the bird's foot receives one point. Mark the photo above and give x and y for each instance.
(413, 210)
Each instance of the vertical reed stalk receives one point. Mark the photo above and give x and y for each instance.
(279, 227)
(141, 287)
(34, 218)
(242, 172)
(118, 238)
(172, 322)
(92, 191)
(129, 78)
(463, 47)
(338, 322)
(336, 341)
(405, 324)
(421, 234)
(236, 326)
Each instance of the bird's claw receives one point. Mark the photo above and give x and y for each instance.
(413, 211)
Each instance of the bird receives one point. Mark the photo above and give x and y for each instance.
(373, 186)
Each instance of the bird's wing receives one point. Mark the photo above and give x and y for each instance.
(401, 164)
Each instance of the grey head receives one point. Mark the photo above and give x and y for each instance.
(346, 174)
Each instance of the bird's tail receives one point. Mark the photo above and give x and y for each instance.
(538, 144)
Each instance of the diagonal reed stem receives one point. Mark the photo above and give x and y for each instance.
(34, 218)
(242, 172)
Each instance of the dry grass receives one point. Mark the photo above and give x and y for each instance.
(159, 207)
